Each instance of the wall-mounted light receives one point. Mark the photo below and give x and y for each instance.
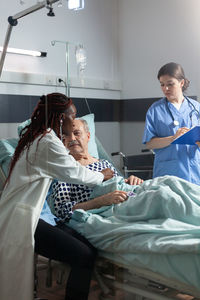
(13, 20)
(75, 4)
(25, 52)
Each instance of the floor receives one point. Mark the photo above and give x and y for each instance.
(57, 291)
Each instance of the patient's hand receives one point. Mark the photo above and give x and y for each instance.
(108, 173)
(115, 197)
(134, 180)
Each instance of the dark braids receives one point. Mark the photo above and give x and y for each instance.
(47, 114)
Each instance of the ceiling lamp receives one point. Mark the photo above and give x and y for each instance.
(75, 4)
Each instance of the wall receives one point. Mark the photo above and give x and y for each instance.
(126, 41)
(95, 27)
(152, 33)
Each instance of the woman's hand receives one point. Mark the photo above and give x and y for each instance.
(198, 144)
(134, 180)
(115, 197)
(180, 131)
(107, 173)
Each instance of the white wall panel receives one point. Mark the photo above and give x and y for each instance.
(155, 32)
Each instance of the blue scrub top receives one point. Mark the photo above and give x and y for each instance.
(178, 160)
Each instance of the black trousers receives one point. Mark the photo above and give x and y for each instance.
(64, 244)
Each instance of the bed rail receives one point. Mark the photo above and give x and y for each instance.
(141, 282)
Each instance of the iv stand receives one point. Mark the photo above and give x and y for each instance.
(67, 65)
(12, 20)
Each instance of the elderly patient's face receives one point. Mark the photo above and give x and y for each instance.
(77, 139)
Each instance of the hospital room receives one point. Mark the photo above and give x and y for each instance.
(99, 150)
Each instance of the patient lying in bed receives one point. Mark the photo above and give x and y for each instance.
(165, 197)
(65, 198)
(164, 205)
(159, 216)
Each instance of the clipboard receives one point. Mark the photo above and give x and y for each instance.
(190, 137)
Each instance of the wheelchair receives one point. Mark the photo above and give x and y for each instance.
(140, 165)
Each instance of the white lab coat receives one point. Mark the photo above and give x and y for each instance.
(20, 206)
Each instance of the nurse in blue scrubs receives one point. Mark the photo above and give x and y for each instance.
(167, 119)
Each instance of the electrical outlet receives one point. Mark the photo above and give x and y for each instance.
(60, 81)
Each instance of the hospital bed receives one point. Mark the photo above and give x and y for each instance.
(140, 282)
(114, 272)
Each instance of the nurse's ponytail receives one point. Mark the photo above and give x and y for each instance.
(186, 84)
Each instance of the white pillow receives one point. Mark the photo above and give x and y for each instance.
(92, 146)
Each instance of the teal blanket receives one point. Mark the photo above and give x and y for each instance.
(162, 217)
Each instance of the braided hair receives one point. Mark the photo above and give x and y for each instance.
(47, 114)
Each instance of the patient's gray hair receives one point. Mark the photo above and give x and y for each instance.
(85, 124)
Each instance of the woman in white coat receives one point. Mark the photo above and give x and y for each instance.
(41, 156)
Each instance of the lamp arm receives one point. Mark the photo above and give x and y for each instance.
(12, 20)
(33, 8)
(3, 55)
